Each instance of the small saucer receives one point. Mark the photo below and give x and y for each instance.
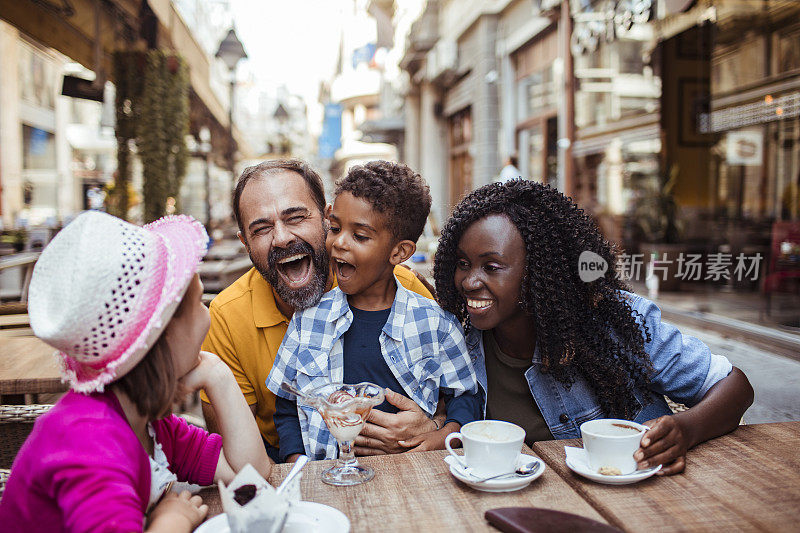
(509, 484)
(576, 461)
(304, 517)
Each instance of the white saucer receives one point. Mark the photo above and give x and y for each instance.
(509, 484)
(304, 517)
(576, 461)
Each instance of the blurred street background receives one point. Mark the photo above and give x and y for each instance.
(674, 123)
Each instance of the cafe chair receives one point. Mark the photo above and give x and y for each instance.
(675, 407)
(16, 423)
(783, 268)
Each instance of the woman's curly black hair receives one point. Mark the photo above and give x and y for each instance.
(585, 330)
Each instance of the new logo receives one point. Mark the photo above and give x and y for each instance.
(591, 266)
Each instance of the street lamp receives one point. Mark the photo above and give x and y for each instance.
(231, 52)
(281, 115)
(205, 150)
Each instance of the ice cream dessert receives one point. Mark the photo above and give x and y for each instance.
(345, 423)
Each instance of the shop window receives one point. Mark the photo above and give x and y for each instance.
(539, 150)
(37, 77)
(759, 172)
(739, 65)
(789, 52)
(629, 106)
(538, 93)
(460, 138)
(535, 149)
(38, 149)
(44, 195)
(630, 57)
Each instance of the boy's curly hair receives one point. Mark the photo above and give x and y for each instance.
(394, 190)
(586, 330)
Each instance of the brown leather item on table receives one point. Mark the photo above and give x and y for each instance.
(533, 520)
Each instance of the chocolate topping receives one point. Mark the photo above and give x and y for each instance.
(244, 494)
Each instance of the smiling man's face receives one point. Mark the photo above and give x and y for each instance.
(284, 233)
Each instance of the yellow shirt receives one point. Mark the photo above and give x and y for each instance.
(246, 331)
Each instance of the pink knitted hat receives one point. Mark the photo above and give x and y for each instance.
(103, 290)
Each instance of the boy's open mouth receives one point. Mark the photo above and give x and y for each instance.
(344, 270)
(295, 270)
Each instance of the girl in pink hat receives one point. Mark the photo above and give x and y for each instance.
(122, 305)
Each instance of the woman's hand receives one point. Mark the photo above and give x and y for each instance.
(176, 513)
(665, 443)
(383, 431)
(719, 412)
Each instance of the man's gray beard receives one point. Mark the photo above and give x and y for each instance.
(310, 294)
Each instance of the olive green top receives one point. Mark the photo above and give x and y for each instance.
(509, 395)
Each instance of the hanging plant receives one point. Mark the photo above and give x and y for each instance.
(117, 201)
(176, 123)
(152, 116)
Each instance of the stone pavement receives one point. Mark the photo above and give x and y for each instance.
(736, 314)
(775, 379)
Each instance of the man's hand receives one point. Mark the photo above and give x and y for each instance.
(433, 440)
(383, 431)
(665, 443)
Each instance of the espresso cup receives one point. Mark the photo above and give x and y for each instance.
(491, 447)
(610, 444)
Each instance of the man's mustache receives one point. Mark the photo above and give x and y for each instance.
(298, 247)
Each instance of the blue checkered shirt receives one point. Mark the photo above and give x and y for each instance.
(423, 346)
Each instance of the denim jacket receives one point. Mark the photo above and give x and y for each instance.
(684, 369)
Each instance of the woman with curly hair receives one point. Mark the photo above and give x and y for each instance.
(552, 351)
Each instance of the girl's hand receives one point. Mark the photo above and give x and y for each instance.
(177, 513)
(208, 371)
(665, 443)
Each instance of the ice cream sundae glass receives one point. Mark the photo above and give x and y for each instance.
(345, 408)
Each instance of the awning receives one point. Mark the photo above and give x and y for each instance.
(383, 126)
(722, 12)
(676, 23)
(86, 138)
(599, 143)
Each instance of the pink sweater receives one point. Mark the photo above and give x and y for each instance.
(83, 469)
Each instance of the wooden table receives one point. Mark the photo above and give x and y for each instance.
(27, 366)
(416, 492)
(748, 480)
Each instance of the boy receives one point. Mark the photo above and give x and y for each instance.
(370, 328)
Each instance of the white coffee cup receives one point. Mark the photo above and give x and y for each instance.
(610, 444)
(491, 447)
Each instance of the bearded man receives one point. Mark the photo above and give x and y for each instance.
(279, 206)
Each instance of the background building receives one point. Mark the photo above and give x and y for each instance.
(674, 124)
(35, 156)
(56, 151)
(358, 90)
(487, 81)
